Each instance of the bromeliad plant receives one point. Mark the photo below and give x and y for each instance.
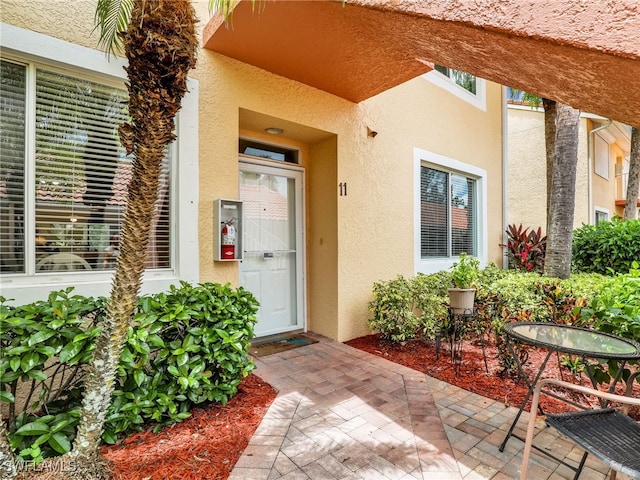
(526, 248)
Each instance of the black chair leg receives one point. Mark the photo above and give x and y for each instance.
(579, 470)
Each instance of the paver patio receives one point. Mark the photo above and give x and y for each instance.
(344, 414)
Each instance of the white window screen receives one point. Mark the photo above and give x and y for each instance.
(448, 214)
(81, 177)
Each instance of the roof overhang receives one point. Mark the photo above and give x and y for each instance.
(319, 43)
(585, 54)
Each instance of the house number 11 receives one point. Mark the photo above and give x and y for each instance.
(343, 188)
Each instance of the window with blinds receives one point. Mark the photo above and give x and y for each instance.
(12, 155)
(77, 171)
(448, 214)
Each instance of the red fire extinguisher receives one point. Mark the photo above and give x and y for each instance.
(228, 247)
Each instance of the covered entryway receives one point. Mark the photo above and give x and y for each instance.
(585, 54)
(273, 240)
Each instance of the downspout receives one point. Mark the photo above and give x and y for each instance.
(505, 177)
(592, 159)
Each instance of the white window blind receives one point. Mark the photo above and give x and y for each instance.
(81, 177)
(448, 214)
(12, 155)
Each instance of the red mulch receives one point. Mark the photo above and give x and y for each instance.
(205, 446)
(471, 374)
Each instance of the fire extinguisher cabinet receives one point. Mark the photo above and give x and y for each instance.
(227, 237)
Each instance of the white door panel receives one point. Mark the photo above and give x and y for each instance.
(271, 270)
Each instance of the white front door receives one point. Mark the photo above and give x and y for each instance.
(272, 268)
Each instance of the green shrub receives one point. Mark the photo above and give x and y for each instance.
(406, 309)
(505, 296)
(517, 295)
(410, 308)
(431, 300)
(185, 347)
(606, 248)
(44, 348)
(616, 307)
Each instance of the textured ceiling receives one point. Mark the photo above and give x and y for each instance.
(583, 53)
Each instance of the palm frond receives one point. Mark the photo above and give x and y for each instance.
(111, 18)
(225, 7)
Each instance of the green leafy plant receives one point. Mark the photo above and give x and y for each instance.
(562, 305)
(573, 364)
(45, 346)
(606, 248)
(186, 347)
(405, 309)
(508, 295)
(616, 309)
(465, 272)
(526, 248)
(394, 310)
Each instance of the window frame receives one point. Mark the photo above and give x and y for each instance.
(600, 210)
(478, 100)
(38, 50)
(449, 165)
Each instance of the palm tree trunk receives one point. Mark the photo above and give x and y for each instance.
(160, 44)
(633, 181)
(550, 144)
(563, 193)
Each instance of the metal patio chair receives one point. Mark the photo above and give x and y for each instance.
(608, 433)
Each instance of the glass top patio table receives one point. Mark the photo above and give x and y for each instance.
(574, 340)
(566, 339)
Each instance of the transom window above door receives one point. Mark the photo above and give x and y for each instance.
(268, 152)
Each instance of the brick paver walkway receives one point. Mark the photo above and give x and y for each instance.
(344, 414)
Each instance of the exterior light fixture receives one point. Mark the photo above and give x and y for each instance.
(274, 130)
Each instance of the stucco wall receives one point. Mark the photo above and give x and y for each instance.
(69, 21)
(527, 170)
(604, 189)
(353, 240)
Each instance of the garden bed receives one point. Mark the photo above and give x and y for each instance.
(206, 445)
(490, 381)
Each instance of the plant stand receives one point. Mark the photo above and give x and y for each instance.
(454, 329)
